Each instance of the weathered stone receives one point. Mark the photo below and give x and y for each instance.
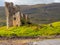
(13, 15)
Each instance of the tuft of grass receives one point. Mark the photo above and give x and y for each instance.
(56, 24)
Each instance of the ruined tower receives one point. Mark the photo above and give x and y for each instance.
(12, 15)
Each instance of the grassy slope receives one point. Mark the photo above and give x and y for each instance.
(56, 24)
(44, 14)
(2, 16)
(31, 31)
(37, 13)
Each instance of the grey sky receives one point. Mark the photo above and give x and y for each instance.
(28, 2)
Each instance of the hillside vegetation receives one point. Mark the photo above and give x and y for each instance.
(31, 30)
(39, 13)
(2, 16)
(43, 13)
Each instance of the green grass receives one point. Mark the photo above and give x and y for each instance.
(56, 24)
(31, 31)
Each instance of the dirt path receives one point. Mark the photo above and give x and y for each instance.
(16, 41)
(30, 42)
(46, 42)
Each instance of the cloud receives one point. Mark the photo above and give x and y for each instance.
(57, 0)
(20, 2)
(1, 2)
(28, 2)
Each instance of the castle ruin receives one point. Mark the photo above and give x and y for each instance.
(14, 15)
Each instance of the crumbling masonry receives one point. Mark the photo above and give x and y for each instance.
(13, 15)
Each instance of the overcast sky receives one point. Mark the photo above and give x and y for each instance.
(28, 2)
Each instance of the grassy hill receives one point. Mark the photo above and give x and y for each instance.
(56, 24)
(2, 16)
(44, 14)
(31, 31)
(39, 13)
